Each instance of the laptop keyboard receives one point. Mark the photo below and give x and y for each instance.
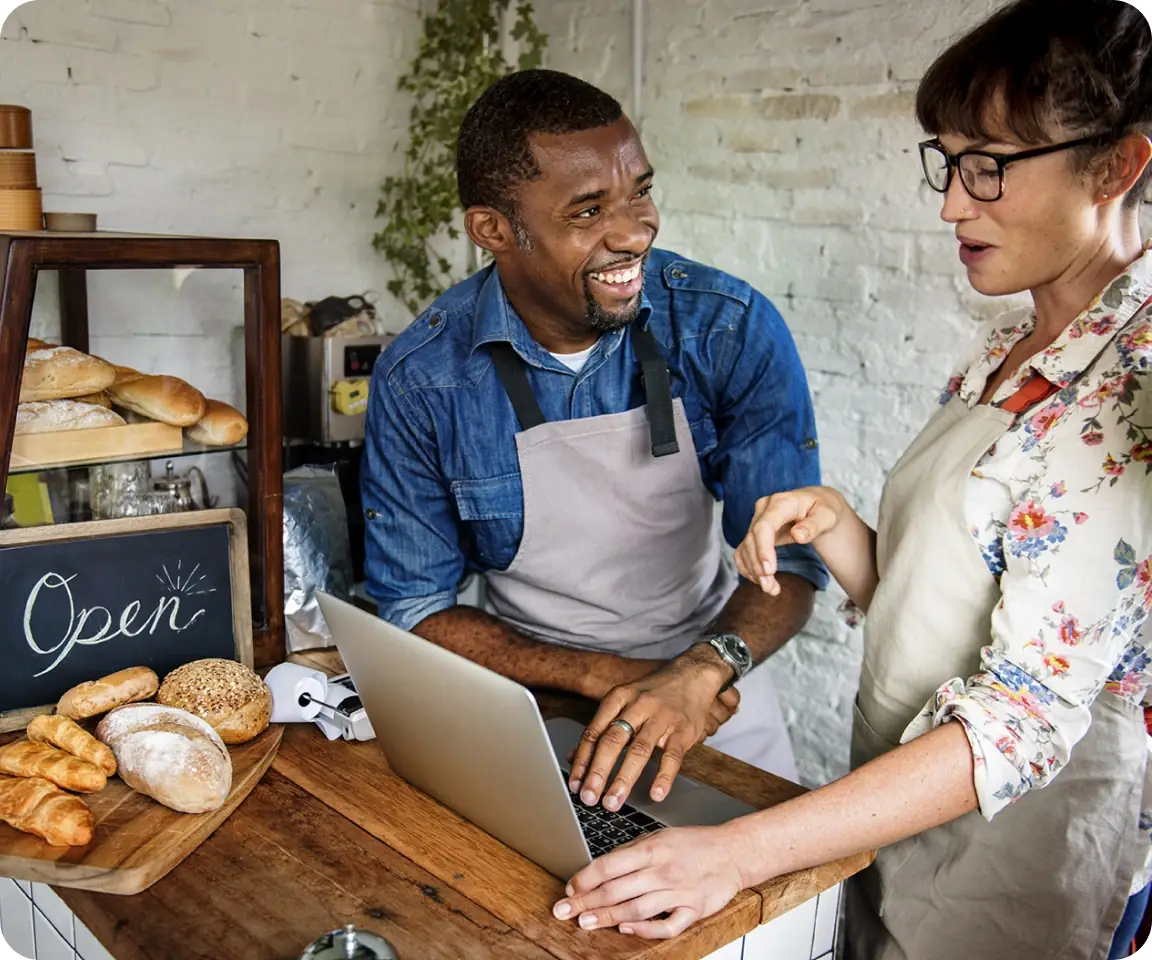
(607, 829)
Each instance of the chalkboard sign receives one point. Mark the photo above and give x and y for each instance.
(81, 601)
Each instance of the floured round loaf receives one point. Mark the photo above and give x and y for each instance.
(60, 373)
(170, 755)
(229, 696)
(50, 416)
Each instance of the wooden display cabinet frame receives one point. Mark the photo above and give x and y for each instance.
(24, 255)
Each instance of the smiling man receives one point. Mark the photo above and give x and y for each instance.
(565, 421)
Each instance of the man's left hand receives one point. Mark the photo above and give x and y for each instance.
(669, 709)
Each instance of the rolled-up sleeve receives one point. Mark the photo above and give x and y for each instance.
(413, 560)
(1076, 588)
(766, 428)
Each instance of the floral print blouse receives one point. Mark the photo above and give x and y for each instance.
(1061, 508)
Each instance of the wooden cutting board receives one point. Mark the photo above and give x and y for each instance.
(137, 840)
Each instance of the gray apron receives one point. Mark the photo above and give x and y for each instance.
(1048, 877)
(620, 550)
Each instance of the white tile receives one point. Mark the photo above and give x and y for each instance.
(824, 936)
(731, 951)
(49, 944)
(87, 946)
(55, 909)
(16, 920)
(788, 937)
(26, 887)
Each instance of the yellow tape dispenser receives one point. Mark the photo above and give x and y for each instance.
(350, 397)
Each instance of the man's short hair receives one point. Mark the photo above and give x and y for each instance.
(493, 156)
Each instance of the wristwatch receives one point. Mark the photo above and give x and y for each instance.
(734, 652)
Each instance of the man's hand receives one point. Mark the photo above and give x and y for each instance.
(672, 709)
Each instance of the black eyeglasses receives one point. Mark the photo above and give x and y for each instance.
(981, 172)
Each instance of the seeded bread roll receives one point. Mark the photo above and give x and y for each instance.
(60, 373)
(229, 696)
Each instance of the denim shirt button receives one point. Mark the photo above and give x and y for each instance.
(810, 444)
(434, 322)
(370, 514)
(677, 274)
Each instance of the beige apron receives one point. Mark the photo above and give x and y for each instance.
(1048, 877)
(620, 550)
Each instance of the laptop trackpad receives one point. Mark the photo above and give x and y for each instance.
(689, 804)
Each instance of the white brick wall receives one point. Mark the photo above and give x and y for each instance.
(262, 118)
(783, 138)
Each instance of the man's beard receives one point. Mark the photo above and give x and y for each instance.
(601, 320)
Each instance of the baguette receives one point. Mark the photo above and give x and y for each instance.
(170, 755)
(91, 697)
(73, 738)
(27, 759)
(33, 805)
(221, 426)
(60, 373)
(166, 399)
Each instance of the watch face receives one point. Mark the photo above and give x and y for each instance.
(737, 649)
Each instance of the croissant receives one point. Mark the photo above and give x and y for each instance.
(74, 739)
(27, 759)
(34, 805)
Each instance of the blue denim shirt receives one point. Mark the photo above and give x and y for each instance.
(441, 482)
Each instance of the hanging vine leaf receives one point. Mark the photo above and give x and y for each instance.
(459, 58)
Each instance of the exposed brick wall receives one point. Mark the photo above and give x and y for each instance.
(785, 150)
(218, 117)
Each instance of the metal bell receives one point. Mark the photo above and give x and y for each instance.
(350, 944)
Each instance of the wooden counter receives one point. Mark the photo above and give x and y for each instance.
(331, 836)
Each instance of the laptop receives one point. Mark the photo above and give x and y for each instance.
(475, 741)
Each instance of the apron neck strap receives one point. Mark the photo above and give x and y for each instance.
(653, 376)
(657, 390)
(510, 370)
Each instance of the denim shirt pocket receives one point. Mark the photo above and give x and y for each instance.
(492, 513)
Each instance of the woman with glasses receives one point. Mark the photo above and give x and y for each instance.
(998, 744)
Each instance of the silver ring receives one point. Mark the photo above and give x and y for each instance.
(625, 726)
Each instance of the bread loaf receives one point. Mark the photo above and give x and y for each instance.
(169, 755)
(221, 426)
(60, 373)
(229, 696)
(72, 738)
(101, 399)
(50, 416)
(92, 697)
(24, 758)
(36, 806)
(166, 399)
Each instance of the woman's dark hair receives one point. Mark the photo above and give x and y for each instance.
(1081, 66)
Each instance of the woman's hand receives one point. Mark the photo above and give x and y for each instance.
(796, 516)
(688, 873)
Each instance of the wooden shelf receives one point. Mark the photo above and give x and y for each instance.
(24, 255)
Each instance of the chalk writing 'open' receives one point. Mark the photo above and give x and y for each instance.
(104, 626)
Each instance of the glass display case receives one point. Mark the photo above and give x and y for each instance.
(192, 420)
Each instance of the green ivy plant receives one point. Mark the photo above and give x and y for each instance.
(459, 58)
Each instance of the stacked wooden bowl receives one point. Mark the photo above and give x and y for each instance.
(20, 206)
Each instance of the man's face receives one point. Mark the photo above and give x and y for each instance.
(585, 226)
